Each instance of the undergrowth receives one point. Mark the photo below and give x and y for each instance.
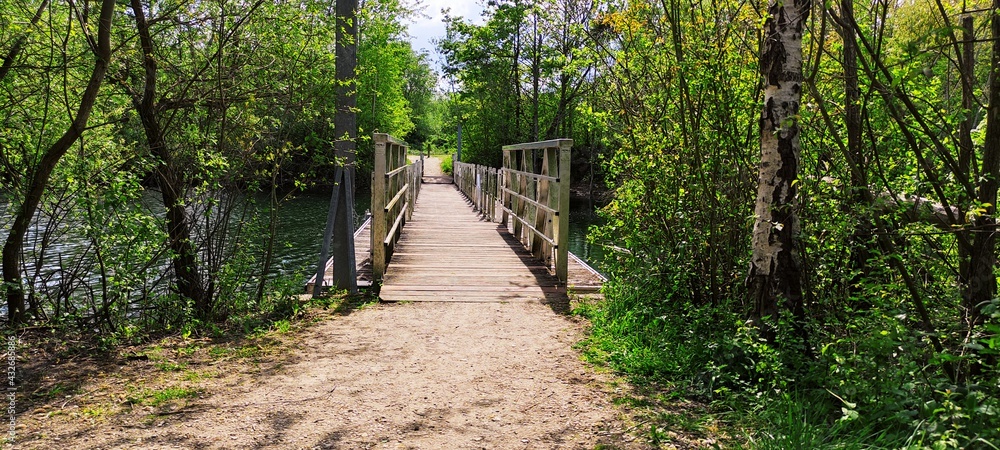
(875, 390)
(446, 164)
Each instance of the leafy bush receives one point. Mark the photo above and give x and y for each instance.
(446, 165)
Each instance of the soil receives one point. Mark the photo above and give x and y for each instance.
(411, 375)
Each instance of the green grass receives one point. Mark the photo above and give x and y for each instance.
(150, 397)
(96, 411)
(195, 376)
(55, 391)
(282, 326)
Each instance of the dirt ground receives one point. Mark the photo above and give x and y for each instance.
(432, 165)
(420, 375)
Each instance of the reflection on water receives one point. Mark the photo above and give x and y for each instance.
(302, 221)
(582, 214)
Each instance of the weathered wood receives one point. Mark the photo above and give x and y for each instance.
(378, 211)
(561, 219)
(536, 197)
(450, 253)
(393, 177)
(536, 145)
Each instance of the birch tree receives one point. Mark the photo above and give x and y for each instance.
(774, 266)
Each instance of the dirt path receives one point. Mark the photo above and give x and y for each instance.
(419, 375)
(432, 167)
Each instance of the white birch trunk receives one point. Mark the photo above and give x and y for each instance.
(774, 267)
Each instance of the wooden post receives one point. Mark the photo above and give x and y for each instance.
(504, 196)
(378, 207)
(550, 166)
(561, 225)
(522, 188)
(542, 220)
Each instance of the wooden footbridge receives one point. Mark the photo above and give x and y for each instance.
(486, 235)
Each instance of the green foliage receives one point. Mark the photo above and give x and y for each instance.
(245, 107)
(519, 76)
(446, 165)
(676, 105)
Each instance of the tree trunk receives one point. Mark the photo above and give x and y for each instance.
(345, 128)
(861, 237)
(536, 69)
(168, 177)
(982, 280)
(515, 82)
(774, 267)
(40, 178)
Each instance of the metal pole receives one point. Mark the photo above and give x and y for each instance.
(459, 152)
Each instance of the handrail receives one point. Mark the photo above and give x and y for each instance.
(532, 187)
(530, 175)
(536, 174)
(537, 204)
(479, 184)
(393, 177)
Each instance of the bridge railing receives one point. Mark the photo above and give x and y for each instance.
(534, 198)
(395, 187)
(479, 184)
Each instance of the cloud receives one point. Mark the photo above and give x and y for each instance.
(423, 30)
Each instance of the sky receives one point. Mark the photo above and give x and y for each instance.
(424, 30)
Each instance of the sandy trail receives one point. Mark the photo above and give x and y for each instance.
(412, 375)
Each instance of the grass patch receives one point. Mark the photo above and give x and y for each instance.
(663, 413)
(282, 326)
(98, 411)
(194, 376)
(58, 390)
(150, 397)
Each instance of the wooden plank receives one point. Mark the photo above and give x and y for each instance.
(537, 145)
(448, 253)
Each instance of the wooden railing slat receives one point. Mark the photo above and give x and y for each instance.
(391, 175)
(538, 200)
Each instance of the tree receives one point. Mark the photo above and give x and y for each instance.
(340, 221)
(419, 92)
(775, 274)
(39, 178)
(982, 280)
(169, 175)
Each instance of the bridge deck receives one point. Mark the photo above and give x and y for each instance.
(449, 253)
